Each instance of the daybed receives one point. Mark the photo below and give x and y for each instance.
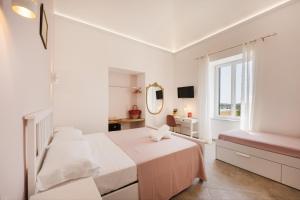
(274, 156)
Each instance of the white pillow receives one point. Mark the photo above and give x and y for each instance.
(66, 161)
(67, 134)
(63, 128)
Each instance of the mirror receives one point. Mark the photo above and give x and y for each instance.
(155, 98)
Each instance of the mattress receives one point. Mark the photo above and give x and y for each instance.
(117, 169)
(281, 144)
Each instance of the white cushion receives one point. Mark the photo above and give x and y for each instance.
(66, 161)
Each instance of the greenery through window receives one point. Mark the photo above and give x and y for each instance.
(229, 89)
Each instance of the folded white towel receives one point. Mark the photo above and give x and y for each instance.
(156, 137)
(164, 128)
(162, 133)
(167, 135)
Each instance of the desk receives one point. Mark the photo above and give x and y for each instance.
(126, 120)
(132, 120)
(127, 123)
(187, 125)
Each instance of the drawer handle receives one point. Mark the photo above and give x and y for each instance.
(242, 154)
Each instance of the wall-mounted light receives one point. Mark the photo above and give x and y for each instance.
(25, 8)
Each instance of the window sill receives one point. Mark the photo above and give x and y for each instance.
(226, 119)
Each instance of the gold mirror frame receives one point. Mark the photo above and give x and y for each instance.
(163, 100)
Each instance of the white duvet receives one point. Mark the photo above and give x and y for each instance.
(117, 169)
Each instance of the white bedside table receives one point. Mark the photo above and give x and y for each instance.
(84, 189)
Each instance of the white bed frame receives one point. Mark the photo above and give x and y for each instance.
(38, 134)
(281, 168)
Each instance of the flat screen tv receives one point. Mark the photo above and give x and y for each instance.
(159, 94)
(185, 92)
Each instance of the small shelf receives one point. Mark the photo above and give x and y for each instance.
(137, 90)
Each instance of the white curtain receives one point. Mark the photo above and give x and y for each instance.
(204, 100)
(248, 87)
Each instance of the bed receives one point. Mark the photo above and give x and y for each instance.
(274, 156)
(130, 160)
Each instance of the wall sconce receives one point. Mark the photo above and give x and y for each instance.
(25, 8)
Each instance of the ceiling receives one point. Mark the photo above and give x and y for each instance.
(167, 24)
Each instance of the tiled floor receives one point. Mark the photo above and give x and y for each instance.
(226, 182)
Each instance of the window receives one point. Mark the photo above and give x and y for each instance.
(228, 91)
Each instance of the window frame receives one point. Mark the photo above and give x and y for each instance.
(233, 65)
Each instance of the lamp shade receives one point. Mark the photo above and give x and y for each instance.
(25, 8)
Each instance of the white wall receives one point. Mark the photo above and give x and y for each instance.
(278, 86)
(83, 56)
(24, 86)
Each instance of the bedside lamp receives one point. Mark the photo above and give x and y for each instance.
(188, 111)
(25, 8)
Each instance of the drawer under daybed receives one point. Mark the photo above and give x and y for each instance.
(277, 165)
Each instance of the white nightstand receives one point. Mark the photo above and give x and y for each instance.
(78, 190)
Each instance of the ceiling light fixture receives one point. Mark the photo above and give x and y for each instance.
(25, 8)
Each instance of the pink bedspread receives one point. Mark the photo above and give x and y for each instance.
(165, 168)
(281, 144)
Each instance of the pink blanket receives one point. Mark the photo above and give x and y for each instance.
(276, 143)
(165, 168)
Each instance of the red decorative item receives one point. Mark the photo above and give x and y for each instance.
(134, 113)
(190, 114)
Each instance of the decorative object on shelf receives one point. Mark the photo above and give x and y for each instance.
(175, 110)
(135, 113)
(190, 114)
(155, 98)
(137, 91)
(43, 26)
(25, 8)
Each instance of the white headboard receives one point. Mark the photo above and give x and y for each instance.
(38, 133)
